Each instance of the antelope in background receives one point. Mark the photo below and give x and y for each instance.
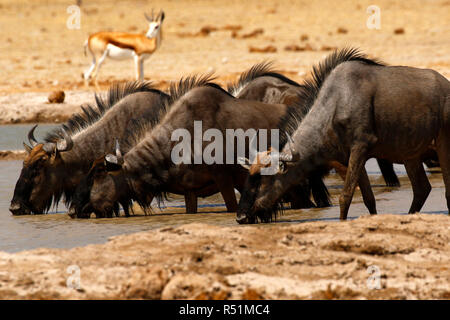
(123, 45)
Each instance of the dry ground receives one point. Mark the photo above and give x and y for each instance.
(319, 260)
(39, 53)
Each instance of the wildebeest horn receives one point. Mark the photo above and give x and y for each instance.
(118, 153)
(27, 147)
(31, 137)
(294, 156)
(66, 144)
(115, 159)
(244, 162)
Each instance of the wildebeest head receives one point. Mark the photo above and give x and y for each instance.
(104, 187)
(39, 180)
(262, 194)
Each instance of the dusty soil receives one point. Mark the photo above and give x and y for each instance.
(319, 260)
(39, 53)
(12, 154)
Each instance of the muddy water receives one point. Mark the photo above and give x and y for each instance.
(57, 230)
(12, 136)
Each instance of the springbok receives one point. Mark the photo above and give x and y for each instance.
(122, 45)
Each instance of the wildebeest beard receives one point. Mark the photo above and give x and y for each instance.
(24, 188)
(261, 215)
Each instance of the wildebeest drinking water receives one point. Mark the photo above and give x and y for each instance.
(361, 108)
(148, 168)
(261, 83)
(53, 168)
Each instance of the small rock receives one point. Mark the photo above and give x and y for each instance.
(56, 97)
(399, 31)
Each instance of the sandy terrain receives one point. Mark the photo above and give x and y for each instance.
(39, 53)
(318, 260)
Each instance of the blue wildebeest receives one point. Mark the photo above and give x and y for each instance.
(261, 83)
(148, 169)
(53, 168)
(361, 108)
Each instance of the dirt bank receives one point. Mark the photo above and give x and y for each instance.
(324, 260)
(12, 154)
(34, 107)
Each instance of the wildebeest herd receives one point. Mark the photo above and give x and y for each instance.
(350, 109)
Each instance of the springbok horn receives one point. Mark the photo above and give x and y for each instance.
(147, 17)
(31, 137)
(66, 144)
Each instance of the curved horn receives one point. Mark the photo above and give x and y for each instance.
(244, 162)
(66, 144)
(27, 147)
(117, 158)
(118, 153)
(294, 156)
(31, 137)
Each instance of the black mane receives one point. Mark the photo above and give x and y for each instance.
(184, 85)
(312, 86)
(91, 114)
(262, 69)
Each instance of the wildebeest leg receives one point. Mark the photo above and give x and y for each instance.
(443, 149)
(116, 209)
(366, 192)
(358, 157)
(126, 209)
(191, 202)
(298, 196)
(420, 184)
(387, 170)
(226, 187)
(319, 191)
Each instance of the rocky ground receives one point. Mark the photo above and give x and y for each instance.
(314, 260)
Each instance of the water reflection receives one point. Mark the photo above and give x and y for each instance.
(57, 230)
